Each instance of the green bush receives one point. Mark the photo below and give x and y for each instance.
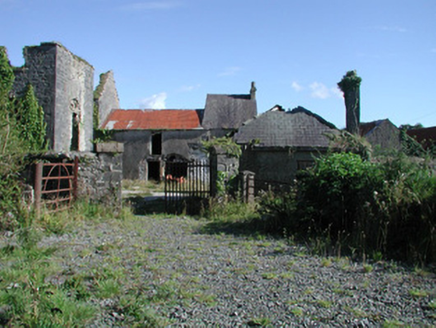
(386, 207)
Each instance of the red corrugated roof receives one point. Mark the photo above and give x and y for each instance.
(163, 119)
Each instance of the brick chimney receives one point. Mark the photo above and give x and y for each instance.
(253, 91)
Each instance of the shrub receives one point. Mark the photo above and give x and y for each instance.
(386, 207)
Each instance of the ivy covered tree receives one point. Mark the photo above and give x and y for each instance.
(350, 86)
(7, 76)
(22, 130)
(8, 130)
(31, 121)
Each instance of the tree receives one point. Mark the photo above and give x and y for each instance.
(350, 86)
(7, 126)
(31, 121)
(7, 76)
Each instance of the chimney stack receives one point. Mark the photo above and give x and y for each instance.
(350, 86)
(253, 91)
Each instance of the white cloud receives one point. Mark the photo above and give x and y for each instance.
(319, 90)
(156, 101)
(189, 88)
(230, 71)
(297, 87)
(151, 5)
(336, 92)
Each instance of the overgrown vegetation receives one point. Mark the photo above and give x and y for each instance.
(22, 130)
(351, 205)
(231, 148)
(35, 291)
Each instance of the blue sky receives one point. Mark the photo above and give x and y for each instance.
(171, 53)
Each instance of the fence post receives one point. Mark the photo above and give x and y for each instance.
(75, 177)
(247, 186)
(213, 160)
(38, 187)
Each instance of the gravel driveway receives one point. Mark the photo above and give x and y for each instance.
(196, 279)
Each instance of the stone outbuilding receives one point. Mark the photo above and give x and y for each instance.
(152, 136)
(381, 134)
(277, 143)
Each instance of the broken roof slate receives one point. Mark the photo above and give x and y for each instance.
(148, 119)
(297, 128)
(228, 111)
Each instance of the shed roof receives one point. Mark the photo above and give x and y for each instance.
(228, 111)
(296, 128)
(148, 119)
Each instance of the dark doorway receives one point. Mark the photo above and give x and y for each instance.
(154, 170)
(75, 132)
(156, 144)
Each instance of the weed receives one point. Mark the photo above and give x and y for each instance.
(358, 313)
(326, 262)
(287, 275)
(269, 276)
(324, 303)
(417, 293)
(108, 288)
(432, 305)
(297, 311)
(393, 324)
(259, 322)
(367, 268)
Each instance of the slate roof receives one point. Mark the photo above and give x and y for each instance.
(228, 111)
(277, 128)
(366, 129)
(148, 119)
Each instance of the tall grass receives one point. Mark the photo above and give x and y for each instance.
(34, 290)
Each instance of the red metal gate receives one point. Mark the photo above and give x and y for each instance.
(55, 185)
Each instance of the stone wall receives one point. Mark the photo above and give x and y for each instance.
(63, 85)
(40, 71)
(276, 164)
(106, 96)
(100, 176)
(138, 149)
(74, 100)
(385, 136)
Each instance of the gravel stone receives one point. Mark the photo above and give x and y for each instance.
(240, 281)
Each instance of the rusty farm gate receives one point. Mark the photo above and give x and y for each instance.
(55, 185)
(188, 186)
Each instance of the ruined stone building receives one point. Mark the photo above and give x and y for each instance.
(63, 84)
(152, 136)
(277, 143)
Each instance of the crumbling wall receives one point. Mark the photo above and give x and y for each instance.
(40, 71)
(63, 84)
(106, 96)
(74, 102)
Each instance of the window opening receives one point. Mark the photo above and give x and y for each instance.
(156, 144)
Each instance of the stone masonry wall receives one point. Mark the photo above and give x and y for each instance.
(106, 96)
(39, 70)
(100, 177)
(74, 97)
(63, 85)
